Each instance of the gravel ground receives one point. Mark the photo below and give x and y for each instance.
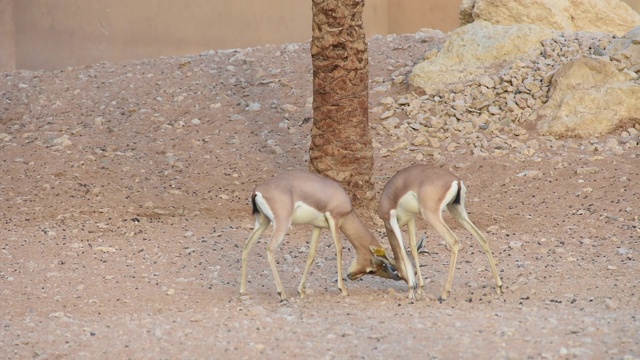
(124, 203)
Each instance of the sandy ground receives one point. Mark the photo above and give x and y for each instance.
(124, 207)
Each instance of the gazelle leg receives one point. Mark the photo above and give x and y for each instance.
(262, 223)
(460, 213)
(404, 265)
(338, 242)
(315, 235)
(454, 247)
(414, 252)
(279, 230)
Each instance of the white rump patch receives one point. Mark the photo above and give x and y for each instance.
(263, 206)
(451, 194)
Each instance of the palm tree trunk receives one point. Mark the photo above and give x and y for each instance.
(341, 145)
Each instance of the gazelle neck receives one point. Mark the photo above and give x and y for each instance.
(358, 234)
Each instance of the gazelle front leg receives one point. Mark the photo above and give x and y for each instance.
(338, 242)
(313, 247)
(394, 233)
(411, 225)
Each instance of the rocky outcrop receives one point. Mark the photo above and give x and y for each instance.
(612, 16)
(495, 110)
(471, 50)
(589, 97)
(626, 50)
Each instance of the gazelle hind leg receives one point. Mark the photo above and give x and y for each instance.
(454, 246)
(414, 252)
(338, 242)
(262, 223)
(460, 213)
(279, 230)
(315, 235)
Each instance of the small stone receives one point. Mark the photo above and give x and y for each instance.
(436, 123)
(391, 123)
(273, 145)
(622, 251)
(534, 174)
(289, 108)
(587, 170)
(387, 114)
(485, 80)
(418, 141)
(610, 304)
(403, 101)
(253, 107)
(57, 315)
(105, 249)
(63, 141)
(515, 244)
(494, 110)
(434, 142)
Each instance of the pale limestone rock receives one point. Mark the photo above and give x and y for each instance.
(589, 97)
(472, 49)
(626, 50)
(611, 16)
(466, 12)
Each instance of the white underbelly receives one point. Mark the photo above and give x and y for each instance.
(305, 214)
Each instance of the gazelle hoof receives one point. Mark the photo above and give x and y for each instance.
(283, 297)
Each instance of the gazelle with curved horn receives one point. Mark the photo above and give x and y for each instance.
(424, 190)
(300, 197)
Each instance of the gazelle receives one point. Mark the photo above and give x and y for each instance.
(420, 189)
(300, 197)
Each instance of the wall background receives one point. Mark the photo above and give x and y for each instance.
(54, 34)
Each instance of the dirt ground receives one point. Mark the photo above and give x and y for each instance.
(124, 207)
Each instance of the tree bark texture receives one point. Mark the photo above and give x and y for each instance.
(341, 145)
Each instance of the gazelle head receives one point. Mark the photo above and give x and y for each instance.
(379, 264)
(384, 265)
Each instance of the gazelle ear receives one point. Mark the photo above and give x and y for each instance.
(420, 245)
(381, 254)
(378, 252)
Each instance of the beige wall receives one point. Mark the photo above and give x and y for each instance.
(54, 34)
(74, 32)
(7, 35)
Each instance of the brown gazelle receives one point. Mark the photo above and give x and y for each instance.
(300, 197)
(420, 189)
